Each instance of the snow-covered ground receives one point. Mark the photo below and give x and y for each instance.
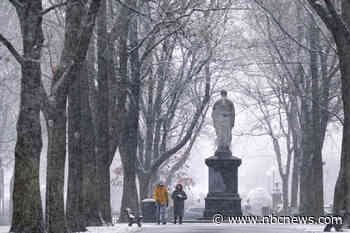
(150, 227)
(118, 228)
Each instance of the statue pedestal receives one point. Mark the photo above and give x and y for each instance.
(223, 194)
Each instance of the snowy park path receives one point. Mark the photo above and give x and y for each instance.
(229, 228)
(200, 228)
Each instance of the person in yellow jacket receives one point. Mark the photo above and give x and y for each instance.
(160, 195)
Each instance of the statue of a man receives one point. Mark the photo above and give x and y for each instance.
(224, 119)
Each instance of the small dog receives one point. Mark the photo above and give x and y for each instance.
(132, 218)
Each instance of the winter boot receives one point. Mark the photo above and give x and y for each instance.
(175, 218)
(180, 220)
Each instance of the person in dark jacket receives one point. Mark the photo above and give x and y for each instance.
(179, 197)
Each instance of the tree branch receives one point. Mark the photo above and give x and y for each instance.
(338, 19)
(333, 20)
(131, 8)
(12, 49)
(64, 76)
(276, 21)
(45, 103)
(223, 9)
(167, 154)
(53, 7)
(16, 3)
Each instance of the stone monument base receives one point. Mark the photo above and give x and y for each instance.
(227, 206)
(223, 194)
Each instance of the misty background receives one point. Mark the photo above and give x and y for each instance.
(244, 62)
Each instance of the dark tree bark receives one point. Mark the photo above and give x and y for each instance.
(26, 194)
(338, 25)
(307, 148)
(103, 125)
(82, 198)
(317, 164)
(294, 120)
(27, 208)
(79, 26)
(11, 198)
(342, 189)
(75, 198)
(83, 187)
(145, 184)
(129, 131)
(88, 141)
(57, 120)
(296, 159)
(56, 156)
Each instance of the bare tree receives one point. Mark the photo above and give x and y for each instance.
(310, 106)
(33, 99)
(177, 76)
(335, 16)
(29, 142)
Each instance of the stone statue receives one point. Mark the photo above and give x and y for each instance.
(224, 119)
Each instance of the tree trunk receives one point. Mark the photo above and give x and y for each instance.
(342, 189)
(130, 194)
(295, 130)
(307, 153)
(294, 119)
(311, 195)
(285, 193)
(295, 179)
(75, 199)
(145, 185)
(56, 155)
(339, 26)
(10, 204)
(78, 27)
(27, 208)
(317, 168)
(88, 101)
(57, 127)
(103, 127)
(130, 121)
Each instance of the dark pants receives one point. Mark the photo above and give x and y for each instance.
(180, 219)
(329, 227)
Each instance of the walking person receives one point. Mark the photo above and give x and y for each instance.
(179, 196)
(160, 195)
(336, 223)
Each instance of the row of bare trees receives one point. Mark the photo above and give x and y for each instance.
(131, 76)
(335, 15)
(297, 80)
(136, 77)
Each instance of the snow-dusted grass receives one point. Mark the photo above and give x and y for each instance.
(4, 229)
(118, 228)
